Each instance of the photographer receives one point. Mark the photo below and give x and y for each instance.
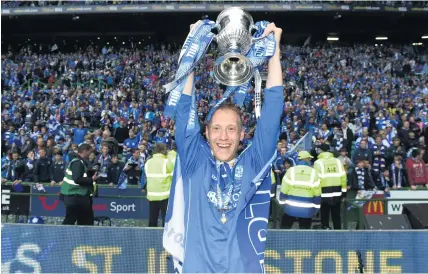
(133, 168)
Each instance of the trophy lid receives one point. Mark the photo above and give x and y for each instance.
(234, 12)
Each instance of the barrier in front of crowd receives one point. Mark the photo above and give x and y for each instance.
(131, 203)
(112, 202)
(354, 209)
(73, 249)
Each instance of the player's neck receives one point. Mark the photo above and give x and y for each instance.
(231, 162)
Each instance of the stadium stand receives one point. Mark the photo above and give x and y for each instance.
(369, 90)
(10, 4)
(368, 101)
(340, 93)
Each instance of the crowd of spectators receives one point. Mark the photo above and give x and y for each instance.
(42, 3)
(369, 103)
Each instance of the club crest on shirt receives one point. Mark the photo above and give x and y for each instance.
(211, 196)
(239, 172)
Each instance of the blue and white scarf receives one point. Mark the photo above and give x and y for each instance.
(194, 48)
(390, 136)
(379, 161)
(396, 178)
(381, 123)
(360, 177)
(339, 142)
(56, 129)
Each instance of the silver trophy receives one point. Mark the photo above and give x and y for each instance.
(234, 40)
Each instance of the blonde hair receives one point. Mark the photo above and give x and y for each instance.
(230, 107)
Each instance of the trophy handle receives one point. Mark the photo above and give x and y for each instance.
(216, 28)
(253, 29)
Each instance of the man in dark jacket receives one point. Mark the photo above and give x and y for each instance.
(360, 178)
(15, 171)
(425, 135)
(57, 171)
(77, 190)
(348, 136)
(403, 134)
(412, 142)
(121, 133)
(42, 168)
(114, 170)
(363, 152)
(29, 167)
(394, 150)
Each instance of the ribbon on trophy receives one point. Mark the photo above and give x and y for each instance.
(195, 46)
(260, 51)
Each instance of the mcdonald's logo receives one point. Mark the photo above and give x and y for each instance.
(375, 208)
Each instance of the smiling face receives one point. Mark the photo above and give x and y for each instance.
(224, 133)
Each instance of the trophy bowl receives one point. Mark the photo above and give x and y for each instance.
(234, 40)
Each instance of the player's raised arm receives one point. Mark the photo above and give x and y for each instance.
(274, 77)
(267, 130)
(187, 134)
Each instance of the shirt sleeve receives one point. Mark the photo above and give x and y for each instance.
(284, 184)
(110, 175)
(78, 171)
(275, 164)
(266, 135)
(190, 144)
(170, 167)
(343, 178)
(36, 171)
(409, 167)
(285, 188)
(426, 173)
(51, 172)
(317, 168)
(317, 190)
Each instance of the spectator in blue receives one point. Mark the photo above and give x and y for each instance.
(103, 161)
(281, 164)
(161, 138)
(130, 144)
(79, 134)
